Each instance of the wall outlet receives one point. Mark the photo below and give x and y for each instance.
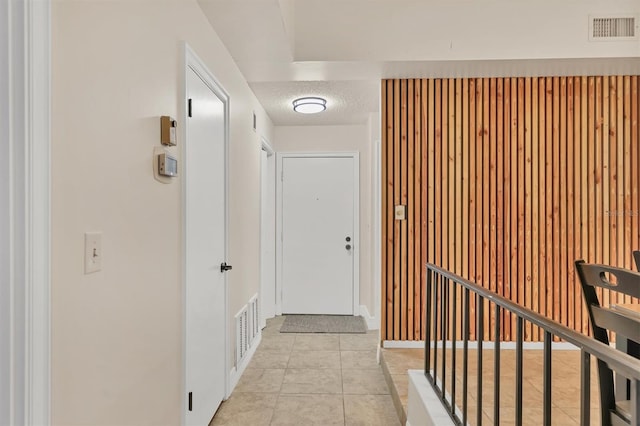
(401, 212)
(92, 252)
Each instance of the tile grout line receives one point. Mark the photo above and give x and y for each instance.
(280, 390)
(344, 407)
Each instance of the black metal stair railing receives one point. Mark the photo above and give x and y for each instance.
(442, 288)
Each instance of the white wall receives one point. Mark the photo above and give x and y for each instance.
(455, 30)
(117, 334)
(336, 139)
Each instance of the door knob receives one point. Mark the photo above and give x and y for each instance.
(348, 246)
(224, 267)
(348, 239)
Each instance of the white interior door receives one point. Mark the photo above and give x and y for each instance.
(267, 239)
(318, 239)
(205, 251)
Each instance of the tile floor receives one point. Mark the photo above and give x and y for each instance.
(565, 379)
(311, 379)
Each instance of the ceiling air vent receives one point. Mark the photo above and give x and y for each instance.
(613, 28)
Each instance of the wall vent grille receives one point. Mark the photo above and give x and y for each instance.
(242, 334)
(606, 28)
(254, 326)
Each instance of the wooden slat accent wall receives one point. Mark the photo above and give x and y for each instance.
(506, 181)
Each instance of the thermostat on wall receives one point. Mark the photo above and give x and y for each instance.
(167, 165)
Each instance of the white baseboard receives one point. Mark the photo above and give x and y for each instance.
(236, 372)
(419, 344)
(372, 322)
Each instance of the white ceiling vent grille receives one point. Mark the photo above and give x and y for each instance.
(613, 28)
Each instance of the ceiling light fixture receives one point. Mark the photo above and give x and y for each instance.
(309, 105)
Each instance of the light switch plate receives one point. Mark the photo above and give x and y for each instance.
(401, 212)
(92, 252)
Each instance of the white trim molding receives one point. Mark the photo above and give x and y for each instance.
(236, 372)
(372, 322)
(25, 104)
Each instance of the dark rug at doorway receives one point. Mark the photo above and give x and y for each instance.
(323, 324)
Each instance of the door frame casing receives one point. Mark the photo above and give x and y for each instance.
(193, 62)
(356, 220)
(265, 146)
(25, 215)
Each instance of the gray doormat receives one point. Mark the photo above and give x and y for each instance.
(323, 324)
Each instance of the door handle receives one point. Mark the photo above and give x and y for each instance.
(224, 267)
(348, 246)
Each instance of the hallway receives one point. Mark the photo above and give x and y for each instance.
(310, 379)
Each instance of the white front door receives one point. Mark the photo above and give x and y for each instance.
(204, 174)
(318, 205)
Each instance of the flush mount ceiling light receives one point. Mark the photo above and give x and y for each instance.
(309, 105)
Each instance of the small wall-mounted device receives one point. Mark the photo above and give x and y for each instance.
(401, 212)
(168, 130)
(167, 165)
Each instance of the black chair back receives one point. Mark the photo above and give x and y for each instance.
(636, 258)
(604, 319)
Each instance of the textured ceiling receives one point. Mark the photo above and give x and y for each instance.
(348, 102)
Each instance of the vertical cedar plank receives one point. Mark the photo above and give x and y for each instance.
(535, 179)
(508, 184)
(396, 201)
(417, 213)
(390, 194)
(444, 128)
(613, 175)
(432, 176)
(521, 199)
(493, 278)
(591, 170)
(426, 209)
(465, 249)
(515, 239)
(479, 188)
(606, 243)
(485, 202)
(402, 242)
(551, 253)
(584, 180)
(472, 197)
(562, 125)
(555, 292)
(577, 224)
(620, 160)
(542, 246)
(635, 173)
(453, 207)
(383, 208)
(526, 247)
(458, 200)
(569, 207)
(599, 168)
(577, 128)
(438, 175)
(410, 283)
(627, 176)
(499, 138)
